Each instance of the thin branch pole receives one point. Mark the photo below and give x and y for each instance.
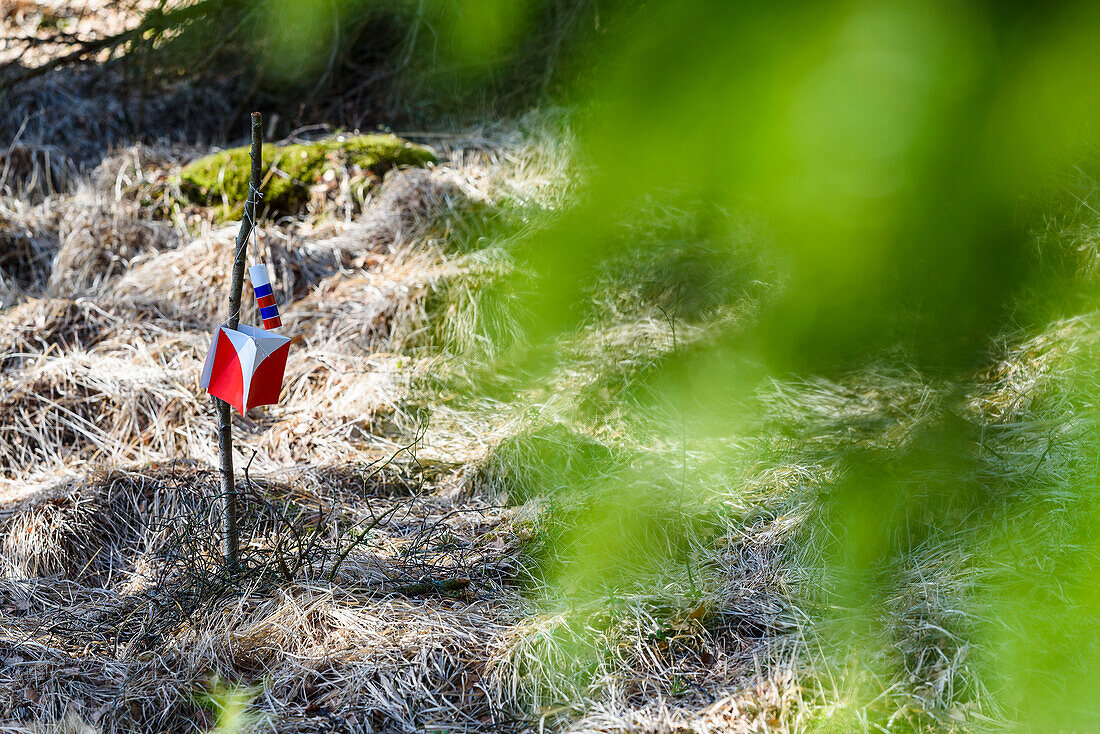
(225, 423)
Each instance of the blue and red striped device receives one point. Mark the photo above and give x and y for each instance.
(265, 297)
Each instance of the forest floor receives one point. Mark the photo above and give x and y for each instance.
(409, 532)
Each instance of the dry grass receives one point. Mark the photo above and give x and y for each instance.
(102, 370)
(446, 614)
(102, 645)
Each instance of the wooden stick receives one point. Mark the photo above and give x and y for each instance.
(230, 540)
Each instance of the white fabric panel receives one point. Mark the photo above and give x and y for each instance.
(208, 365)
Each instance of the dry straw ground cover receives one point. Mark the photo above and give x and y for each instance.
(441, 614)
(412, 541)
(115, 615)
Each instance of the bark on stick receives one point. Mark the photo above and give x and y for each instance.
(229, 508)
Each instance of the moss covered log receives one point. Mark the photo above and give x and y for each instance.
(290, 171)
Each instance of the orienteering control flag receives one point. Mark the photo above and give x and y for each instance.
(245, 366)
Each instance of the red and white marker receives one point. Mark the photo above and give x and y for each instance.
(244, 367)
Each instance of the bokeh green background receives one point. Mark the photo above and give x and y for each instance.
(904, 160)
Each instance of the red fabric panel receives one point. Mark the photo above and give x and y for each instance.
(226, 376)
(267, 380)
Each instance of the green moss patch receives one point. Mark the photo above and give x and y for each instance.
(290, 171)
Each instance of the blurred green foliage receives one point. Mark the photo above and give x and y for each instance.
(228, 703)
(362, 62)
(909, 161)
